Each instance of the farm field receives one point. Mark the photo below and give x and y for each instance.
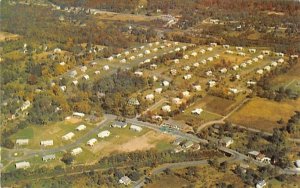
(263, 114)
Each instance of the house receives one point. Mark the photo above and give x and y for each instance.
(105, 67)
(249, 62)
(68, 136)
(166, 108)
(138, 73)
(131, 57)
(22, 165)
(210, 49)
(125, 180)
(223, 70)
(252, 50)
(213, 44)
(229, 52)
(97, 72)
(22, 142)
(239, 48)
(86, 77)
(157, 117)
(197, 87)
(147, 52)
(262, 158)
(83, 68)
(176, 101)
(265, 52)
(78, 114)
(260, 71)
(80, 127)
(75, 82)
(274, 64)
(217, 56)
(184, 48)
(210, 59)
(294, 56)
(255, 59)
(203, 61)
(188, 144)
(63, 88)
(123, 61)
(136, 128)
(73, 73)
(176, 61)
(104, 134)
(297, 163)
(140, 55)
(267, 68)
(253, 154)
(249, 83)
(226, 46)
(212, 83)
(153, 66)
(186, 68)
(155, 50)
(280, 60)
(241, 54)
(235, 67)
(48, 157)
(119, 124)
(25, 105)
(126, 53)
(261, 184)
(233, 90)
(47, 142)
(142, 47)
(155, 78)
(186, 57)
(76, 151)
(62, 63)
(177, 49)
(158, 90)
(178, 141)
(226, 141)
(209, 73)
(149, 97)
(110, 58)
(279, 54)
(173, 72)
(185, 93)
(57, 50)
(194, 54)
(260, 57)
(196, 64)
(91, 142)
(162, 47)
(166, 83)
(150, 44)
(202, 51)
(197, 111)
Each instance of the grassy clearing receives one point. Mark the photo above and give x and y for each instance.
(262, 114)
(51, 132)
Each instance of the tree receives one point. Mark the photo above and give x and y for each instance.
(67, 158)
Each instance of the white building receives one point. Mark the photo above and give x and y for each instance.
(210, 49)
(136, 128)
(186, 68)
(267, 68)
(280, 60)
(196, 64)
(213, 44)
(81, 128)
(226, 46)
(76, 151)
(234, 90)
(243, 65)
(185, 93)
(229, 52)
(197, 111)
(239, 48)
(176, 101)
(86, 77)
(25, 105)
(166, 108)
(252, 50)
(194, 54)
(91, 142)
(147, 52)
(125, 180)
(105, 67)
(110, 58)
(47, 142)
(48, 157)
(210, 59)
(186, 57)
(266, 52)
(166, 83)
(235, 67)
(260, 57)
(173, 72)
(22, 165)
(176, 61)
(68, 136)
(209, 73)
(83, 68)
(223, 70)
(212, 83)
(104, 134)
(203, 61)
(197, 87)
(158, 90)
(202, 51)
(22, 142)
(138, 73)
(187, 77)
(274, 64)
(78, 114)
(149, 97)
(260, 71)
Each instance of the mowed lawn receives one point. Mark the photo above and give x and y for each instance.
(263, 114)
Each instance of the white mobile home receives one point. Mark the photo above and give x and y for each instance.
(68, 136)
(80, 127)
(136, 128)
(22, 165)
(76, 151)
(47, 143)
(104, 134)
(22, 142)
(92, 141)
